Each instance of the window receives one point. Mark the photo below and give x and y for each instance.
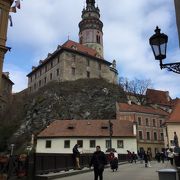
(57, 72)
(155, 150)
(120, 144)
(39, 83)
(154, 122)
(31, 79)
(108, 144)
(81, 40)
(155, 136)
(88, 62)
(160, 123)
(58, 60)
(73, 58)
(46, 68)
(50, 76)
(162, 137)
(35, 75)
(139, 121)
(35, 86)
(45, 80)
(40, 72)
(92, 144)
(48, 144)
(148, 135)
(98, 39)
(73, 71)
(80, 143)
(88, 74)
(99, 66)
(147, 122)
(67, 144)
(51, 64)
(140, 135)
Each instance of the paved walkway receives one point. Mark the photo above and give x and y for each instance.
(125, 172)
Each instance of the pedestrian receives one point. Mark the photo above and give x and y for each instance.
(162, 156)
(129, 156)
(76, 156)
(170, 155)
(113, 160)
(141, 154)
(98, 161)
(158, 156)
(176, 143)
(145, 159)
(149, 157)
(134, 157)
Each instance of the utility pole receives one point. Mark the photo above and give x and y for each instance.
(110, 132)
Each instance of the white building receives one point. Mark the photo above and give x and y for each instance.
(62, 135)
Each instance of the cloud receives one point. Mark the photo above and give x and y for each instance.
(128, 24)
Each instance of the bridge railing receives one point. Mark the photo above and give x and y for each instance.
(46, 163)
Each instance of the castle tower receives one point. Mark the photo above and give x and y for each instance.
(4, 15)
(90, 28)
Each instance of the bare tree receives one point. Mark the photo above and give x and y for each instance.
(135, 88)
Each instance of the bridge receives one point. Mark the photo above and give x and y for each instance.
(126, 171)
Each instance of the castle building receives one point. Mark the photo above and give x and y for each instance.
(4, 15)
(72, 61)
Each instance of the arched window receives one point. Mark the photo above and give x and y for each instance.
(97, 38)
(81, 40)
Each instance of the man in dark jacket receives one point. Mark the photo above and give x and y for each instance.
(76, 155)
(98, 160)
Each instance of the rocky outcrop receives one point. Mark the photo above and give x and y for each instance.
(81, 99)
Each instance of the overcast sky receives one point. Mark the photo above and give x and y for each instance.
(39, 26)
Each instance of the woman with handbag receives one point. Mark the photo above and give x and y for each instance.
(98, 161)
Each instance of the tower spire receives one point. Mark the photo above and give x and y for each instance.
(90, 28)
(90, 2)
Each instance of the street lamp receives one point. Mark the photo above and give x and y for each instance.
(158, 43)
(110, 132)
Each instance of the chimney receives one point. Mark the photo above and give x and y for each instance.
(40, 62)
(49, 54)
(6, 74)
(58, 47)
(167, 96)
(33, 67)
(134, 128)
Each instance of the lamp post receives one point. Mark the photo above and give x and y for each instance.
(110, 132)
(12, 149)
(158, 43)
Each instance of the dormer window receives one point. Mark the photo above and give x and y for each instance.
(71, 126)
(74, 47)
(104, 126)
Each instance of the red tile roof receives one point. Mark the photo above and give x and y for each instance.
(175, 115)
(158, 97)
(79, 47)
(87, 128)
(71, 46)
(124, 107)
